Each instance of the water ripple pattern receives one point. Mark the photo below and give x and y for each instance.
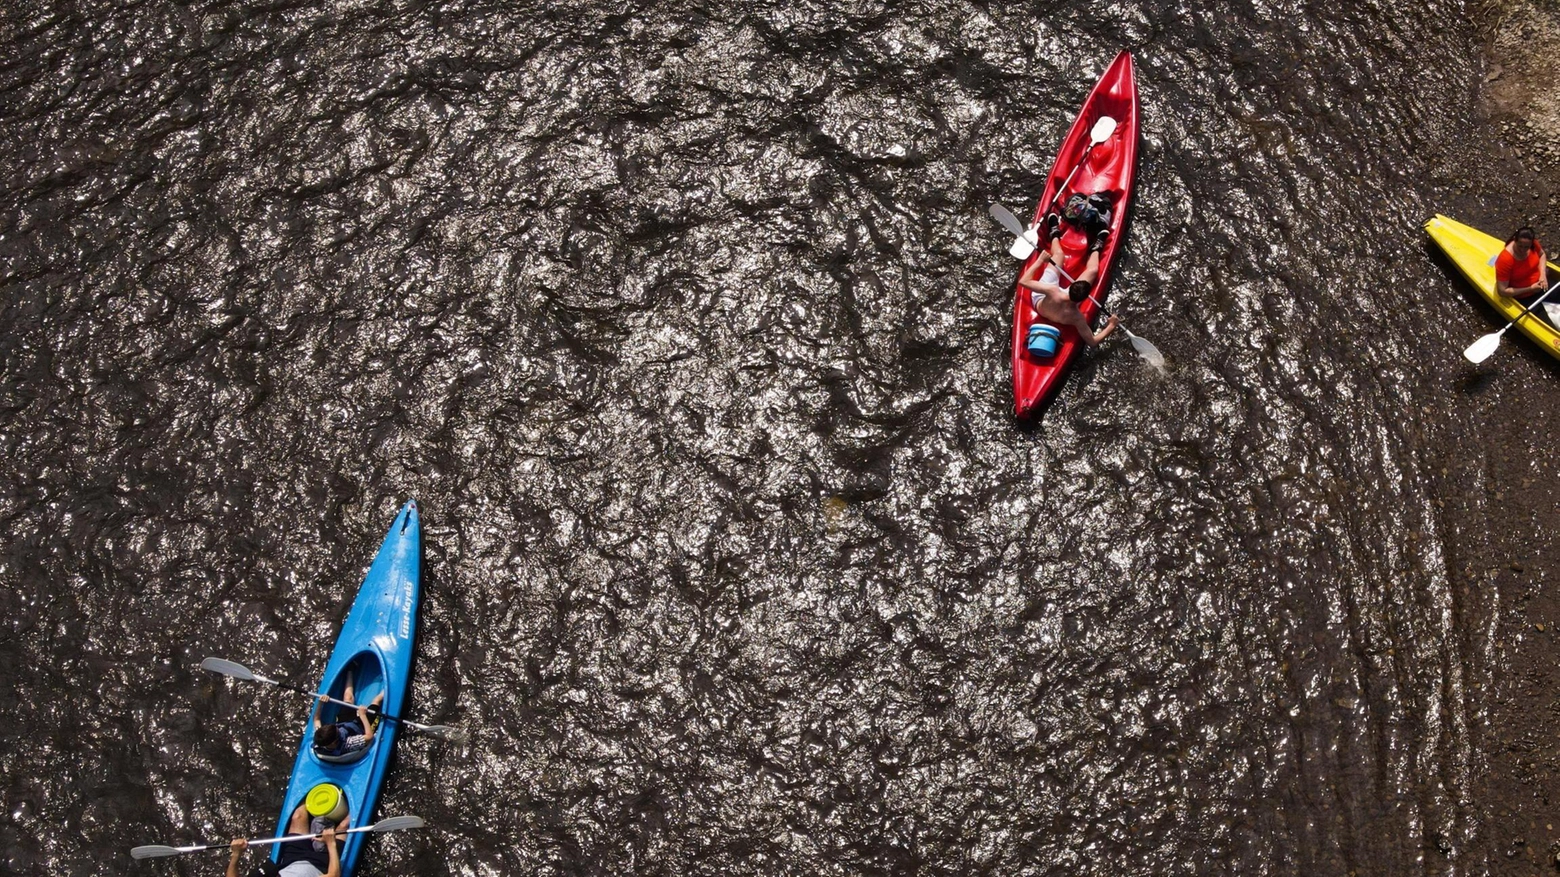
(687, 328)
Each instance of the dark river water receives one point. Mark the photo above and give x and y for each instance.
(687, 328)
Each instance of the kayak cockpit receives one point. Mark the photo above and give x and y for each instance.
(360, 680)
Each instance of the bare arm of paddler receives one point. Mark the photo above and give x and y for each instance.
(329, 836)
(237, 846)
(1076, 320)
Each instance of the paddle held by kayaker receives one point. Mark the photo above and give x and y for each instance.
(1058, 305)
(237, 846)
(1520, 269)
(296, 858)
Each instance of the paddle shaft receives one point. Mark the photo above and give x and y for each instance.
(1104, 126)
(1067, 182)
(439, 731)
(1104, 310)
(394, 823)
(335, 700)
(1529, 309)
(239, 671)
(270, 840)
(293, 837)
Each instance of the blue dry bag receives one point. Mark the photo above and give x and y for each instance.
(1042, 340)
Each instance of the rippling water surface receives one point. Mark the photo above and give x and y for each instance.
(687, 327)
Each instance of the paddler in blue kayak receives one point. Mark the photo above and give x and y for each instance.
(341, 738)
(297, 858)
(1057, 305)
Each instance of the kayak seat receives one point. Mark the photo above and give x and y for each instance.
(344, 758)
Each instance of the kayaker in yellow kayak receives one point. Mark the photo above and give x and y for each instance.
(1520, 271)
(297, 858)
(1060, 306)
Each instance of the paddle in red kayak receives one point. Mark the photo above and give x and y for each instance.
(1084, 167)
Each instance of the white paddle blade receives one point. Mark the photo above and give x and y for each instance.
(1022, 248)
(227, 668)
(1006, 218)
(397, 823)
(1148, 351)
(1482, 349)
(1102, 130)
(440, 732)
(154, 851)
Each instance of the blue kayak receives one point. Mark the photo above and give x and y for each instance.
(374, 650)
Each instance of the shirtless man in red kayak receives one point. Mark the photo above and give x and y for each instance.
(1060, 306)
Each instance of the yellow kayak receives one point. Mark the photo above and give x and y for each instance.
(1474, 252)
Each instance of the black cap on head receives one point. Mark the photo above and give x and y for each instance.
(1079, 290)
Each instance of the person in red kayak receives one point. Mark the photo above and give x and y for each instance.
(1520, 271)
(1060, 306)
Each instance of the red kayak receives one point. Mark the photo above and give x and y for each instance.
(1107, 167)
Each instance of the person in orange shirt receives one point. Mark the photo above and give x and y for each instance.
(1520, 270)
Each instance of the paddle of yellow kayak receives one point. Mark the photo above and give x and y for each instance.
(1483, 348)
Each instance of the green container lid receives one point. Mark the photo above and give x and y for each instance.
(324, 800)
